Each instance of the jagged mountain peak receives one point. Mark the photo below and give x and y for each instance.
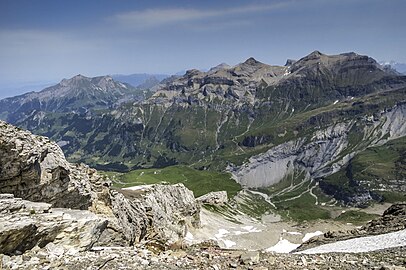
(289, 62)
(193, 72)
(79, 93)
(80, 79)
(74, 79)
(219, 67)
(251, 61)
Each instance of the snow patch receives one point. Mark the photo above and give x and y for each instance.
(141, 187)
(228, 243)
(221, 233)
(189, 237)
(283, 246)
(250, 229)
(310, 235)
(294, 233)
(362, 244)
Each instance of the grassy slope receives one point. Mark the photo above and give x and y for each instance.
(200, 182)
(377, 168)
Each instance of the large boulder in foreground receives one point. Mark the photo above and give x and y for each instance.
(25, 224)
(172, 208)
(34, 168)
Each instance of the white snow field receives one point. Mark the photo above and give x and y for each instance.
(362, 244)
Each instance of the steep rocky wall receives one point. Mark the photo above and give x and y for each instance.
(172, 209)
(34, 168)
(25, 224)
(325, 153)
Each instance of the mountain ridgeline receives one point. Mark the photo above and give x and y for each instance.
(304, 122)
(79, 94)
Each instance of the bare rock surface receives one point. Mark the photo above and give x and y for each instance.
(25, 224)
(172, 208)
(215, 197)
(34, 168)
(35, 176)
(196, 257)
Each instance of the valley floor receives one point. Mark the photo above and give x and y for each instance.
(250, 234)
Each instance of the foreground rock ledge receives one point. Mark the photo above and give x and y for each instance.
(34, 169)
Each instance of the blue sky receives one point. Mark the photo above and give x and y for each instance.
(45, 41)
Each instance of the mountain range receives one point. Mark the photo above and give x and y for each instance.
(140, 80)
(309, 125)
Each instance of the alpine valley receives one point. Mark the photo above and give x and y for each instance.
(274, 155)
(326, 123)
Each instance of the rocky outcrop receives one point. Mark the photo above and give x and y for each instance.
(32, 168)
(25, 224)
(213, 198)
(172, 209)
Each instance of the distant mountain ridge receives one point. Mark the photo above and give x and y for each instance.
(140, 80)
(265, 124)
(399, 67)
(78, 94)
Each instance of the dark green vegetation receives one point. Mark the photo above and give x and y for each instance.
(298, 199)
(200, 182)
(355, 217)
(378, 172)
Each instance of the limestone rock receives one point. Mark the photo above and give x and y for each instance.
(34, 168)
(215, 197)
(31, 224)
(172, 209)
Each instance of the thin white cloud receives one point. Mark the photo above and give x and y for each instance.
(158, 17)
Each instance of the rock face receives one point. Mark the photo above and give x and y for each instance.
(26, 224)
(321, 154)
(172, 209)
(215, 197)
(34, 169)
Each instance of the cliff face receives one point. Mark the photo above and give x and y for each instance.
(324, 152)
(34, 168)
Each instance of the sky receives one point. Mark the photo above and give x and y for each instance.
(44, 41)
